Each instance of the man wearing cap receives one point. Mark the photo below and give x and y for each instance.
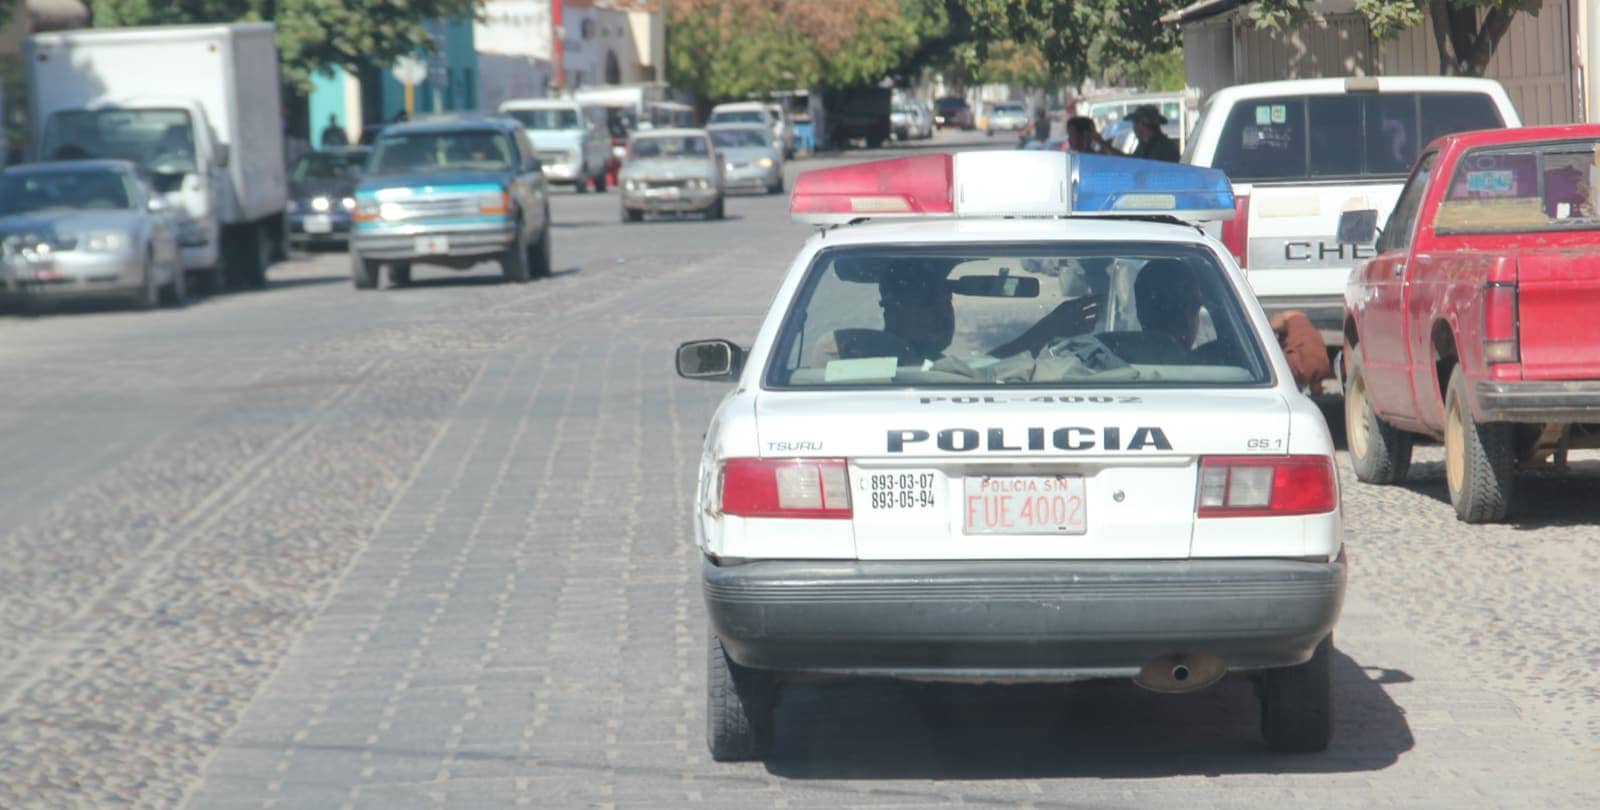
(1153, 143)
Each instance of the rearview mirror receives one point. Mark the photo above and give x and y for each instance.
(996, 286)
(220, 155)
(710, 360)
(1358, 227)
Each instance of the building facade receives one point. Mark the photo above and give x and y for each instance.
(1539, 61)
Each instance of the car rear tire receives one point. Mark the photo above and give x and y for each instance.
(399, 274)
(514, 262)
(739, 708)
(630, 215)
(1479, 459)
(363, 272)
(1297, 704)
(1379, 452)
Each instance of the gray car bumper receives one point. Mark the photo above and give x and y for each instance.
(463, 244)
(1539, 402)
(1061, 620)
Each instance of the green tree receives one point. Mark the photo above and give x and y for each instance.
(1466, 31)
(312, 34)
(1077, 39)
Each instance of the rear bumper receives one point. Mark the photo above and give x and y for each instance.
(1539, 401)
(1048, 620)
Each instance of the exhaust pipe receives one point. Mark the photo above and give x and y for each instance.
(1180, 672)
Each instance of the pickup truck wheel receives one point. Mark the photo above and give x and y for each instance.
(739, 705)
(399, 274)
(539, 257)
(363, 272)
(1479, 459)
(514, 262)
(1297, 703)
(1379, 452)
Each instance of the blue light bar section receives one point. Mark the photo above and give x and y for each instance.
(1106, 184)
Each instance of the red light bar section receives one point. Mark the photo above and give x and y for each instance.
(918, 185)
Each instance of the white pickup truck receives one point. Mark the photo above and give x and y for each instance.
(195, 106)
(1301, 152)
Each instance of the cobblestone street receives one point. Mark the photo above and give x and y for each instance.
(430, 547)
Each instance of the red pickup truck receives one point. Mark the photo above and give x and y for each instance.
(1478, 321)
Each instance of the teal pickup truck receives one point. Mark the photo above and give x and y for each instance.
(453, 192)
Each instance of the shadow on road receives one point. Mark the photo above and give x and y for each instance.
(1111, 729)
(1543, 498)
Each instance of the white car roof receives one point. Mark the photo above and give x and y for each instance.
(1385, 84)
(988, 229)
(678, 132)
(738, 106)
(540, 104)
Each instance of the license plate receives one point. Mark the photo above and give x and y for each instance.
(432, 245)
(1005, 504)
(666, 193)
(318, 223)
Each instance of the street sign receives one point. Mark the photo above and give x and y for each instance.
(409, 70)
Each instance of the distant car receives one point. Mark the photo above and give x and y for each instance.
(322, 187)
(671, 170)
(771, 116)
(1007, 116)
(905, 121)
(750, 159)
(453, 192)
(952, 111)
(87, 228)
(573, 140)
(922, 127)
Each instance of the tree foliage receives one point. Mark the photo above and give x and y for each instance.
(312, 34)
(1076, 39)
(723, 49)
(1466, 31)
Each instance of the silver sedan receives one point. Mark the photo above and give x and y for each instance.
(671, 170)
(86, 228)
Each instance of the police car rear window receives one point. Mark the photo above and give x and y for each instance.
(1325, 137)
(1009, 315)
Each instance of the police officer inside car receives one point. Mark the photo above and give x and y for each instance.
(1153, 143)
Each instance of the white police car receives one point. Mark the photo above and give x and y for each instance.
(1023, 424)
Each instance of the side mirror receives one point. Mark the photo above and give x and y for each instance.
(710, 360)
(1358, 227)
(220, 155)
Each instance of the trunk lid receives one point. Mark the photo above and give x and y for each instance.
(1293, 249)
(1023, 474)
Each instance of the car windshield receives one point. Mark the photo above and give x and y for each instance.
(86, 190)
(547, 119)
(686, 146)
(741, 137)
(1129, 314)
(327, 166)
(739, 117)
(159, 140)
(481, 150)
(1008, 108)
(1304, 137)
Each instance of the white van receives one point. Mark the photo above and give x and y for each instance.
(1300, 152)
(772, 116)
(571, 139)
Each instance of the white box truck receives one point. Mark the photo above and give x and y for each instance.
(197, 106)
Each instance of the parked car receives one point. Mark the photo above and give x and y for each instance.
(750, 159)
(322, 187)
(922, 120)
(952, 111)
(1006, 116)
(1300, 152)
(671, 170)
(87, 228)
(453, 192)
(1474, 323)
(573, 141)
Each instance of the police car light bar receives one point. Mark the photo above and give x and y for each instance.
(1010, 184)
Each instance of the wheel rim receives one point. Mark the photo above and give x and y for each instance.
(1455, 466)
(1355, 419)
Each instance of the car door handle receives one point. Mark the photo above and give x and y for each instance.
(1399, 269)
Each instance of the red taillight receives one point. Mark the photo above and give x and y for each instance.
(1236, 231)
(1500, 323)
(913, 185)
(1258, 486)
(786, 487)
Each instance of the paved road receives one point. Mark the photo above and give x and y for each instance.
(429, 547)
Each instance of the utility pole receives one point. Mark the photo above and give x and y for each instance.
(557, 36)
